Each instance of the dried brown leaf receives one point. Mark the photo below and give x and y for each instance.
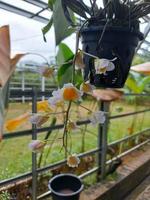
(4, 54)
(7, 65)
(142, 68)
(107, 94)
(79, 60)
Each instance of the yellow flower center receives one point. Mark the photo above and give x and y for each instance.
(70, 94)
(60, 104)
(73, 161)
(102, 70)
(86, 87)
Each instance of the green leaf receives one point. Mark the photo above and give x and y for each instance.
(144, 82)
(60, 23)
(132, 85)
(47, 27)
(64, 74)
(78, 78)
(67, 14)
(3, 103)
(64, 54)
(51, 3)
(78, 7)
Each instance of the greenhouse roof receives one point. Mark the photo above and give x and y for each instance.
(38, 10)
(34, 9)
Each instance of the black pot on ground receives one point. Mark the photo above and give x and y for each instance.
(65, 187)
(119, 43)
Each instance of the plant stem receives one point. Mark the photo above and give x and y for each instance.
(74, 59)
(46, 139)
(65, 137)
(92, 6)
(104, 29)
(38, 54)
(65, 129)
(88, 54)
(83, 107)
(57, 113)
(47, 114)
(83, 138)
(92, 133)
(50, 147)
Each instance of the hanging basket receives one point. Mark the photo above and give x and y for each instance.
(117, 44)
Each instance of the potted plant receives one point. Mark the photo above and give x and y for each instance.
(65, 187)
(110, 36)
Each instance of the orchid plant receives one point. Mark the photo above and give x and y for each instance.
(64, 97)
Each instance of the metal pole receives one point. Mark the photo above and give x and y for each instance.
(23, 87)
(43, 87)
(100, 130)
(34, 156)
(102, 141)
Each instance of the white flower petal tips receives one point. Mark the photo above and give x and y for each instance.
(97, 118)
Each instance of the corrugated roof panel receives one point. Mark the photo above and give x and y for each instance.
(23, 5)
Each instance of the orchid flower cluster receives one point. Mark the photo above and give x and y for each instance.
(67, 95)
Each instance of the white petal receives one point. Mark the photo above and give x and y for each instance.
(103, 63)
(68, 85)
(34, 118)
(34, 143)
(57, 93)
(57, 97)
(111, 66)
(98, 118)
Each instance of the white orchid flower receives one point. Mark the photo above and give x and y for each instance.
(56, 98)
(103, 65)
(37, 145)
(73, 160)
(71, 93)
(98, 117)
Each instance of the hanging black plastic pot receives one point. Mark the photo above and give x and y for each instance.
(117, 44)
(65, 187)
